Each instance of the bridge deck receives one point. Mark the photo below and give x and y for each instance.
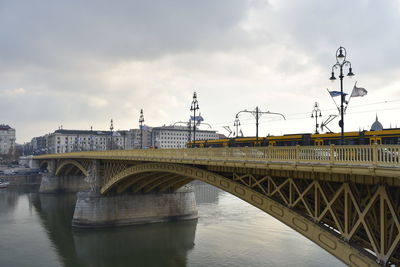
(376, 160)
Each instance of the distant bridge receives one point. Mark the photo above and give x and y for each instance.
(346, 199)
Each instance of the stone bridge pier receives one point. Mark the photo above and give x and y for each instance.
(67, 182)
(127, 206)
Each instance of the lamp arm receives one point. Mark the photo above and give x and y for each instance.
(335, 66)
(242, 111)
(274, 113)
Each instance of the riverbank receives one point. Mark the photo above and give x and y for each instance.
(18, 175)
(22, 179)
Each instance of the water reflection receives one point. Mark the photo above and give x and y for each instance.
(55, 212)
(36, 230)
(205, 193)
(164, 244)
(8, 201)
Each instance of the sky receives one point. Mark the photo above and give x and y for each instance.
(78, 64)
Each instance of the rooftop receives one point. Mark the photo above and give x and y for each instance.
(4, 127)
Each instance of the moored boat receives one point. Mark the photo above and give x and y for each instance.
(4, 184)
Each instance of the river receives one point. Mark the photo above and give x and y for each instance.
(35, 230)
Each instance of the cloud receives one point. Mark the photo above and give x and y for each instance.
(60, 33)
(82, 63)
(17, 91)
(97, 102)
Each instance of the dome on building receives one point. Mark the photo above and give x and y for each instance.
(376, 126)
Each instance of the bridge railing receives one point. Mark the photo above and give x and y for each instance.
(366, 154)
(387, 155)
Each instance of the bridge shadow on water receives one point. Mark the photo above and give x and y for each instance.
(160, 244)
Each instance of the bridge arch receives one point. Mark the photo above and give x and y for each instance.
(65, 166)
(149, 176)
(180, 175)
(43, 165)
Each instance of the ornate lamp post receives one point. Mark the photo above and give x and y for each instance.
(141, 120)
(111, 133)
(315, 114)
(341, 62)
(194, 106)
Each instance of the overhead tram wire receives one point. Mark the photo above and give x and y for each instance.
(305, 117)
(288, 116)
(355, 106)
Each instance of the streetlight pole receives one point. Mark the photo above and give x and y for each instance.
(257, 113)
(111, 133)
(257, 117)
(236, 124)
(194, 106)
(341, 62)
(315, 111)
(189, 125)
(91, 138)
(141, 120)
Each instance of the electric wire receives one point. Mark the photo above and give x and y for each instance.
(292, 116)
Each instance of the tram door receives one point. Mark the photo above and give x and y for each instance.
(375, 140)
(319, 142)
(272, 143)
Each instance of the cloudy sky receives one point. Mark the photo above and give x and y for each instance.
(80, 63)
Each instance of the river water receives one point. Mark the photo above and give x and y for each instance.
(35, 230)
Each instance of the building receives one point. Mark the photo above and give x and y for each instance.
(177, 136)
(7, 140)
(376, 126)
(136, 138)
(64, 141)
(38, 145)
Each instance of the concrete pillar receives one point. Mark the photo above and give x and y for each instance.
(94, 178)
(60, 184)
(94, 210)
(56, 184)
(49, 183)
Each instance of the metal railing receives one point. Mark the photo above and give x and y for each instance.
(383, 155)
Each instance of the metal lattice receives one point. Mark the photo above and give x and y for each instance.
(367, 216)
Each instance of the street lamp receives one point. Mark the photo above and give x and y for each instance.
(194, 106)
(111, 132)
(315, 111)
(257, 114)
(141, 120)
(341, 62)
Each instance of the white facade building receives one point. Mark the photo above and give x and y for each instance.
(177, 136)
(64, 141)
(7, 140)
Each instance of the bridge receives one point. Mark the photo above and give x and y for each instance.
(346, 199)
